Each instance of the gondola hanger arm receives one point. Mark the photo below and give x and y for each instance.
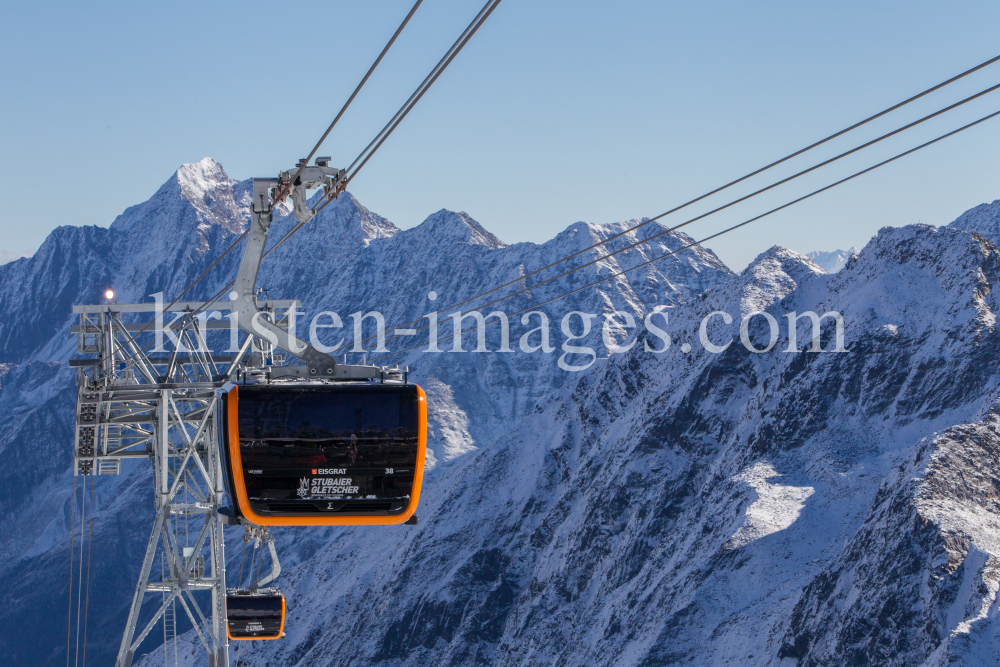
(275, 566)
(244, 296)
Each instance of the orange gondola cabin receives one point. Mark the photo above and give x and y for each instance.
(255, 615)
(337, 453)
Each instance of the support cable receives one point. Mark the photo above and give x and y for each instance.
(311, 154)
(723, 187)
(642, 224)
(424, 86)
(183, 320)
(461, 43)
(372, 146)
(282, 193)
(90, 542)
(69, 600)
(725, 231)
(187, 289)
(670, 230)
(79, 587)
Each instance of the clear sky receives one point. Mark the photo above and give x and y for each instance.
(556, 111)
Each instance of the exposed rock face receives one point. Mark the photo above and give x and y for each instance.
(984, 219)
(700, 508)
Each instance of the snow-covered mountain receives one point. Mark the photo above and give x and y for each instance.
(674, 508)
(832, 261)
(983, 219)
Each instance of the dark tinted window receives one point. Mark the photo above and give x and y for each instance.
(305, 416)
(251, 606)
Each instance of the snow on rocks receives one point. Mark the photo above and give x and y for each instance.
(775, 506)
(661, 507)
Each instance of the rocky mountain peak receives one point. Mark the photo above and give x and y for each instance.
(774, 274)
(197, 178)
(984, 219)
(459, 227)
(948, 255)
(197, 196)
(833, 260)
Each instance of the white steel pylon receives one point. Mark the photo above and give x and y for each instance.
(165, 408)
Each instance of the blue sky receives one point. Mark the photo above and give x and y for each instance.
(557, 111)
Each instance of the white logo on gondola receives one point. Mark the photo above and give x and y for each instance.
(254, 626)
(304, 487)
(332, 486)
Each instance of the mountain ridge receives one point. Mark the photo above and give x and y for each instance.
(733, 508)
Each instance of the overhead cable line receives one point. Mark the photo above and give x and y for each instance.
(670, 230)
(311, 154)
(69, 601)
(456, 48)
(188, 288)
(718, 234)
(369, 150)
(280, 195)
(460, 43)
(726, 186)
(366, 154)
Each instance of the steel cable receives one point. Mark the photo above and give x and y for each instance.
(353, 95)
(670, 230)
(424, 86)
(618, 235)
(725, 231)
(311, 153)
(69, 601)
(187, 289)
(721, 188)
(488, 8)
(367, 152)
(90, 542)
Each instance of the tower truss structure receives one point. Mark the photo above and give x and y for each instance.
(164, 406)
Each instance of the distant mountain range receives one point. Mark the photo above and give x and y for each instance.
(785, 508)
(6, 256)
(832, 261)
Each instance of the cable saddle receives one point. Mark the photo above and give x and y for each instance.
(297, 182)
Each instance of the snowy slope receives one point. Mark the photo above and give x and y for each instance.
(696, 508)
(983, 219)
